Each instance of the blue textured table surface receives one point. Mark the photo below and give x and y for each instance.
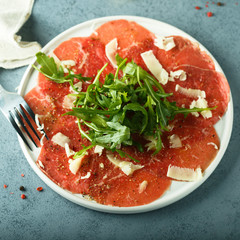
(210, 212)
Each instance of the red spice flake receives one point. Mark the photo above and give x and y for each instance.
(220, 4)
(206, 5)
(23, 196)
(39, 189)
(197, 7)
(207, 2)
(22, 175)
(5, 186)
(11, 192)
(213, 2)
(236, 3)
(209, 14)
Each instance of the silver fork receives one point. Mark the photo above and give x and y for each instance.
(13, 106)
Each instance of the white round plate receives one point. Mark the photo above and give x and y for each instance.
(177, 190)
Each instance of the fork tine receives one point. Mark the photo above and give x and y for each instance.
(28, 109)
(23, 125)
(11, 119)
(31, 113)
(26, 118)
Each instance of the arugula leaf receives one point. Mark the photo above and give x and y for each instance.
(119, 135)
(142, 118)
(50, 70)
(83, 151)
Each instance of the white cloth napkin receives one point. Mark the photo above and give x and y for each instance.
(13, 52)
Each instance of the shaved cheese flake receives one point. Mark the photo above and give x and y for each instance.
(127, 167)
(56, 59)
(78, 86)
(184, 174)
(101, 165)
(86, 176)
(152, 143)
(39, 127)
(68, 101)
(66, 64)
(201, 103)
(40, 164)
(110, 51)
(214, 145)
(164, 43)
(179, 74)
(175, 141)
(194, 93)
(60, 139)
(155, 67)
(98, 149)
(69, 151)
(43, 136)
(143, 186)
(75, 164)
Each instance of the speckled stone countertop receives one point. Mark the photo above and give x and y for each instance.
(210, 212)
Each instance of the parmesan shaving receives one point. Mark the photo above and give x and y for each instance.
(68, 101)
(155, 67)
(60, 139)
(194, 93)
(164, 43)
(69, 152)
(75, 164)
(40, 164)
(110, 51)
(98, 149)
(184, 174)
(127, 167)
(40, 128)
(175, 141)
(201, 103)
(78, 86)
(179, 74)
(41, 140)
(151, 145)
(86, 176)
(143, 186)
(214, 145)
(66, 64)
(56, 59)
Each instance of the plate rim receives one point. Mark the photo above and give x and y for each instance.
(153, 205)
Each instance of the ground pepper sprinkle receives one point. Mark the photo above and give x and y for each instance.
(22, 188)
(23, 196)
(209, 14)
(39, 189)
(219, 4)
(5, 186)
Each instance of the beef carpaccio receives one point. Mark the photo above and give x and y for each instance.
(189, 146)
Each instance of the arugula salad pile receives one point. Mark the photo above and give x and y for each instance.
(132, 102)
